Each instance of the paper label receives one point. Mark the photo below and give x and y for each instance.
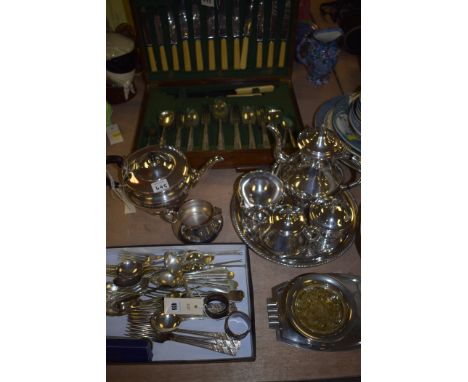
(194, 306)
(113, 133)
(129, 208)
(207, 3)
(160, 185)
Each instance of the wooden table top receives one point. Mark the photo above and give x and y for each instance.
(275, 360)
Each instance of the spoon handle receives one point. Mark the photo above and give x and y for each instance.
(205, 144)
(220, 135)
(291, 137)
(266, 141)
(251, 137)
(237, 140)
(201, 333)
(162, 141)
(190, 140)
(285, 138)
(178, 138)
(206, 345)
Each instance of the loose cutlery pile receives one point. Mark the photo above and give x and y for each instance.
(142, 281)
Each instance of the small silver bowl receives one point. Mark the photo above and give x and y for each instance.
(198, 222)
(260, 189)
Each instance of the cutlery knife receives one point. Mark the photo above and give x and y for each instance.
(260, 24)
(236, 34)
(160, 41)
(284, 33)
(147, 41)
(222, 31)
(211, 35)
(246, 34)
(271, 36)
(185, 35)
(173, 38)
(197, 36)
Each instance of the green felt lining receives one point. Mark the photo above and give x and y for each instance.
(160, 99)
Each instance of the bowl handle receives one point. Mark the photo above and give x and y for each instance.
(354, 165)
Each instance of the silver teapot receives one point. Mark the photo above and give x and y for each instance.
(158, 179)
(315, 171)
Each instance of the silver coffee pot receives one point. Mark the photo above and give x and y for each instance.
(316, 170)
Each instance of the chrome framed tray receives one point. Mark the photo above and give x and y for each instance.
(281, 316)
(306, 257)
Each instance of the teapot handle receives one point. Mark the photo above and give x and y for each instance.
(114, 159)
(355, 160)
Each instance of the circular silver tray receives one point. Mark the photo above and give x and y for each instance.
(305, 258)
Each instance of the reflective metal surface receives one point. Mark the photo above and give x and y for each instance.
(158, 179)
(260, 189)
(331, 219)
(305, 255)
(285, 233)
(198, 222)
(317, 311)
(315, 170)
(331, 213)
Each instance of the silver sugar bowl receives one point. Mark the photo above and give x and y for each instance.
(331, 222)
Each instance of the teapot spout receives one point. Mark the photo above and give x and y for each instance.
(198, 174)
(278, 152)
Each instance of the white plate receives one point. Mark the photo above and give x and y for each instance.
(342, 126)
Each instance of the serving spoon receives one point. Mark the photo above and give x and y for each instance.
(248, 117)
(192, 120)
(220, 111)
(166, 120)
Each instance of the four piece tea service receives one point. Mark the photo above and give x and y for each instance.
(300, 213)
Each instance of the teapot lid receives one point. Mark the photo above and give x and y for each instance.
(321, 142)
(331, 213)
(155, 169)
(287, 218)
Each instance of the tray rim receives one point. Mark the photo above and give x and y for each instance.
(274, 258)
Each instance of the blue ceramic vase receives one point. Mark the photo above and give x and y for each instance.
(318, 51)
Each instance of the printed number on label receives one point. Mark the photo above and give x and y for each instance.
(160, 185)
(175, 306)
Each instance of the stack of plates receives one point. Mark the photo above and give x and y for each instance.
(354, 114)
(343, 115)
